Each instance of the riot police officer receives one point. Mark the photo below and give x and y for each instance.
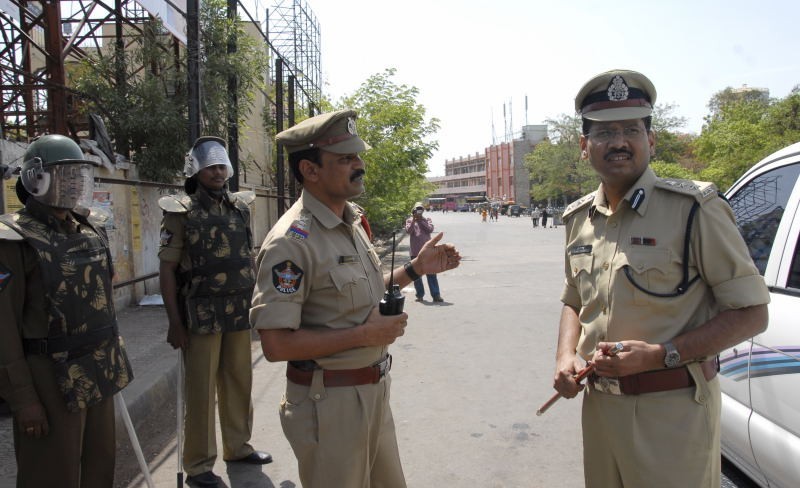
(61, 357)
(207, 277)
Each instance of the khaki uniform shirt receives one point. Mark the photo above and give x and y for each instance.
(646, 234)
(318, 271)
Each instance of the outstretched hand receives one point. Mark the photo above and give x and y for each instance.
(436, 258)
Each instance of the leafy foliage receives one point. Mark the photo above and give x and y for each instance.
(392, 121)
(148, 110)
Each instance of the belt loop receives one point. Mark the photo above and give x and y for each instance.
(317, 391)
(702, 392)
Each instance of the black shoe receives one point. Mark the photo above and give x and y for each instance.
(438, 298)
(420, 299)
(204, 480)
(255, 457)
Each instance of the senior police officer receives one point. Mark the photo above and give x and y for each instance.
(207, 276)
(315, 305)
(658, 266)
(61, 357)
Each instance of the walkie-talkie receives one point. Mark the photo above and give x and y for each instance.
(393, 301)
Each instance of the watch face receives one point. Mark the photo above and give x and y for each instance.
(672, 359)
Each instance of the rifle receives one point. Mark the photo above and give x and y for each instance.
(579, 376)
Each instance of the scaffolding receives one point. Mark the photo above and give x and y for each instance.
(294, 34)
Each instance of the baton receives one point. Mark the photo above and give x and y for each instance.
(119, 402)
(579, 376)
(179, 408)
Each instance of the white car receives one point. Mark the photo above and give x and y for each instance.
(760, 378)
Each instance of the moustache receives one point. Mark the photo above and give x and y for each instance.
(614, 153)
(357, 174)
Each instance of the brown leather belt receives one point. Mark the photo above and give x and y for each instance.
(651, 381)
(342, 377)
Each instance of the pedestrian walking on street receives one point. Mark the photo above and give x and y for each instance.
(61, 356)
(207, 275)
(419, 229)
(315, 306)
(544, 218)
(650, 412)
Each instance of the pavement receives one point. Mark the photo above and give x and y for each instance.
(150, 399)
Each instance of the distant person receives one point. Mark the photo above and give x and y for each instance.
(544, 218)
(658, 267)
(483, 215)
(535, 217)
(315, 306)
(207, 276)
(61, 357)
(419, 229)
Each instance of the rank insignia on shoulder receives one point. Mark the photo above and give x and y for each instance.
(349, 259)
(286, 277)
(5, 277)
(166, 237)
(643, 241)
(587, 249)
(299, 228)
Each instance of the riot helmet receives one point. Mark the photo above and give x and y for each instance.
(207, 151)
(56, 173)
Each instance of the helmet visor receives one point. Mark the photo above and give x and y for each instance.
(69, 185)
(207, 153)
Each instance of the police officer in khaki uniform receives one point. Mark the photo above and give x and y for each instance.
(658, 267)
(207, 278)
(315, 305)
(61, 358)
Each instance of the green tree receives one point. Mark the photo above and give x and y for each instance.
(148, 113)
(395, 125)
(556, 169)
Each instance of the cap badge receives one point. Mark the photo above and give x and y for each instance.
(617, 89)
(351, 125)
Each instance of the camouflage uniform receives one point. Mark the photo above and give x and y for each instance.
(61, 348)
(212, 242)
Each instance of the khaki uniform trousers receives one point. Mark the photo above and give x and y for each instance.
(217, 366)
(342, 436)
(80, 449)
(666, 439)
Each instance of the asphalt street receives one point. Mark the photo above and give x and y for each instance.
(467, 377)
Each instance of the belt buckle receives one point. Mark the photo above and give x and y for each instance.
(607, 385)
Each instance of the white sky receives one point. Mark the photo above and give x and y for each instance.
(468, 58)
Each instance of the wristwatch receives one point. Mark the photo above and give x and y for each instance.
(672, 358)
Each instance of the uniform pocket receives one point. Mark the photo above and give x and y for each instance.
(651, 269)
(581, 268)
(352, 286)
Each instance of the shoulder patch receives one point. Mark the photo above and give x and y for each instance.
(247, 197)
(8, 233)
(5, 276)
(578, 204)
(175, 203)
(702, 191)
(286, 277)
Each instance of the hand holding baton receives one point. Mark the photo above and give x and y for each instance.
(579, 376)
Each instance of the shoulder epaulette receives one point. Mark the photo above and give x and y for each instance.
(702, 191)
(578, 204)
(247, 197)
(175, 204)
(8, 233)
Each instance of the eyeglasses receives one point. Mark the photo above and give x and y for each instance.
(604, 136)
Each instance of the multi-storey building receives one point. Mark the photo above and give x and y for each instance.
(498, 174)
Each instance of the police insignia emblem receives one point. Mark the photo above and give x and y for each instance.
(286, 277)
(5, 277)
(617, 89)
(351, 125)
(166, 237)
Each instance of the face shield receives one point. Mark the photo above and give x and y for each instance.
(61, 184)
(207, 151)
